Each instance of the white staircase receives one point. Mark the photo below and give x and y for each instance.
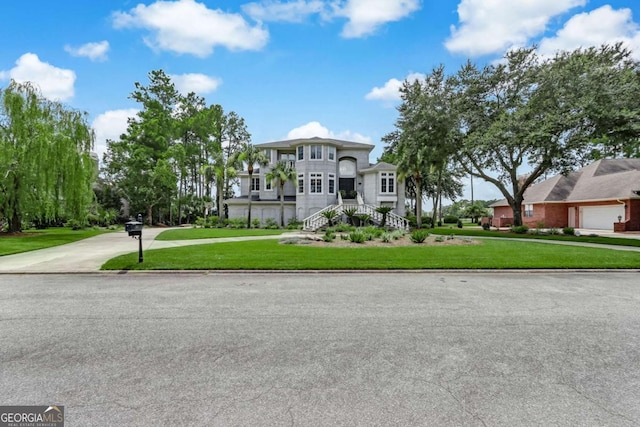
(318, 220)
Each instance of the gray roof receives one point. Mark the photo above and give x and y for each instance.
(380, 166)
(608, 179)
(291, 143)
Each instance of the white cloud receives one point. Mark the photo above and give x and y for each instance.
(110, 125)
(198, 83)
(186, 26)
(292, 11)
(315, 129)
(600, 26)
(391, 90)
(495, 26)
(364, 17)
(367, 16)
(93, 51)
(54, 83)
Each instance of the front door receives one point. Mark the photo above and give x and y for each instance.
(347, 185)
(572, 217)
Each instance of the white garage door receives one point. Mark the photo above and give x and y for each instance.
(601, 217)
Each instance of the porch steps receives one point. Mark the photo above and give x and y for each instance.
(318, 220)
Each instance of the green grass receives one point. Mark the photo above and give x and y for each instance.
(619, 241)
(31, 240)
(271, 255)
(212, 233)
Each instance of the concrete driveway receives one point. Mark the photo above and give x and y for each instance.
(88, 255)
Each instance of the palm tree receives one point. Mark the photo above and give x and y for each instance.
(281, 173)
(252, 155)
(384, 211)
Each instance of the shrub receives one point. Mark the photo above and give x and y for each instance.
(519, 229)
(426, 221)
(271, 224)
(344, 237)
(554, 231)
(199, 222)
(238, 222)
(74, 224)
(365, 219)
(374, 231)
(569, 231)
(357, 237)
(419, 236)
(398, 234)
(386, 237)
(294, 224)
(439, 239)
(486, 226)
(459, 223)
(255, 223)
(450, 219)
(329, 237)
(344, 227)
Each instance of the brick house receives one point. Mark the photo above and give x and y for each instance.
(604, 195)
(330, 174)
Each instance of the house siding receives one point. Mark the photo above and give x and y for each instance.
(556, 215)
(302, 205)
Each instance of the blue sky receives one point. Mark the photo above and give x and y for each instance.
(292, 68)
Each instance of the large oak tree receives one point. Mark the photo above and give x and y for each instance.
(529, 116)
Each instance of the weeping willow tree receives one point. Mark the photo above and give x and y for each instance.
(46, 170)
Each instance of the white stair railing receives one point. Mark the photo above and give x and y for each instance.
(318, 220)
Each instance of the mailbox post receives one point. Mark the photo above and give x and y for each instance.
(134, 228)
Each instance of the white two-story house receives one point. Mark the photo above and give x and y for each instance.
(329, 174)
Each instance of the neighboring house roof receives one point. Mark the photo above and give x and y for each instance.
(607, 179)
(291, 143)
(380, 166)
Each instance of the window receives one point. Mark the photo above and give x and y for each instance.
(528, 211)
(255, 184)
(267, 185)
(331, 153)
(301, 152)
(347, 168)
(289, 160)
(387, 182)
(315, 182)
(267, 154)
(315, 152)
(300, 183)
(332, 183)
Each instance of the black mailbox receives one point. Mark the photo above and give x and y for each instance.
(134, 228)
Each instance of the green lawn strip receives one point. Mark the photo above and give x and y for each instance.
(619, 241)
(31, 240)
(212, 233)
(271, 255)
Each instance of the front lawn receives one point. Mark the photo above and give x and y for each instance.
(272, 255)
(620, 241)
(213, 233)
(30, 240)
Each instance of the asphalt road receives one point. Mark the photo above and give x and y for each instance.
(403, 349)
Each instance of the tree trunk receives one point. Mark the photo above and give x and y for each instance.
(150, 215)
(517, 210)
(220, 197)
(282, 205)
(15, 223)
(249, 204)
(418, 182)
